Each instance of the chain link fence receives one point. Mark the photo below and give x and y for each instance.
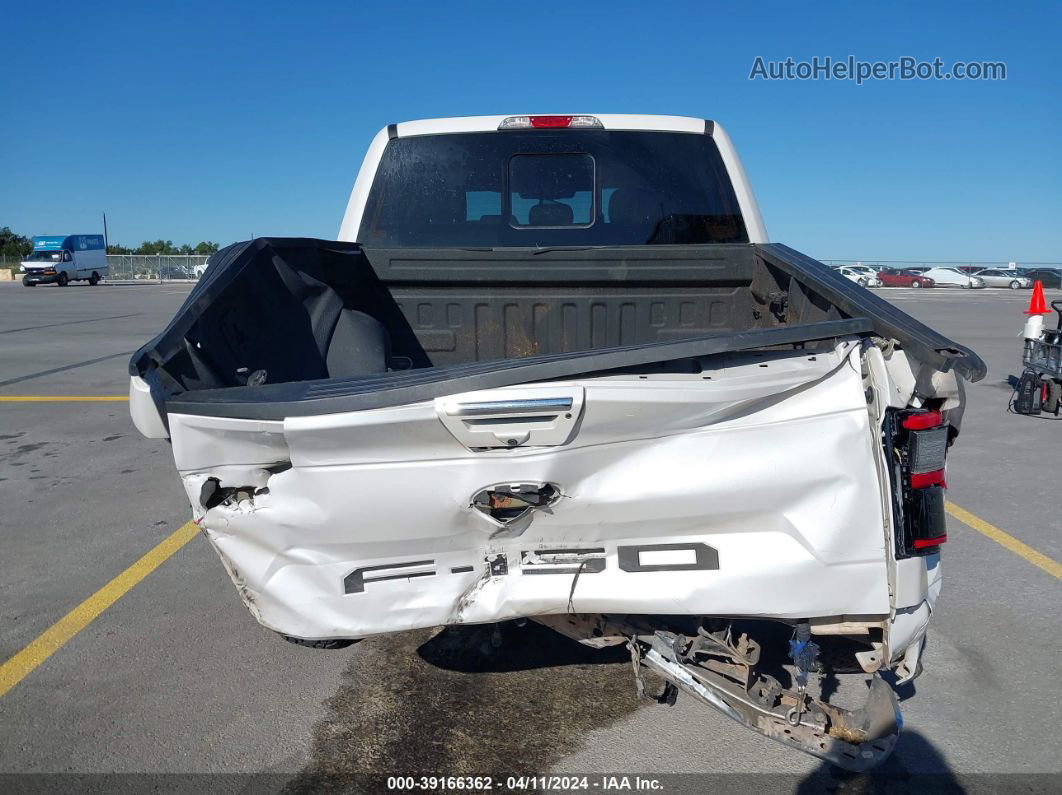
(141, 267)
(155, 267)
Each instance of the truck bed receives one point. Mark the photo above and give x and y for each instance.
(324, 326)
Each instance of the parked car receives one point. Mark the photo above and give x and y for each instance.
(179, 271)
(893, 277)
(866, 270)
(953, 277)
(859, 277)
(691, 436)
(1049, 277)
(1002, 277)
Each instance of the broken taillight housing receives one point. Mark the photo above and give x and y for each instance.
(926, 453)
(918, 444)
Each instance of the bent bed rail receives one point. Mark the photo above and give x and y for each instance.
(327, 396)
(889, 322)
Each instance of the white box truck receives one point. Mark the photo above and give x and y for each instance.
(61, 259)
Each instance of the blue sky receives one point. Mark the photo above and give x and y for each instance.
(219, 120)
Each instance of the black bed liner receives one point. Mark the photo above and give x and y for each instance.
(478, 319)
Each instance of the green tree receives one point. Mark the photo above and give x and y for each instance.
(14, 245)
(118, 248)
(157, 247)
(206, 247)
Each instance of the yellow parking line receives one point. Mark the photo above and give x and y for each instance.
(52, 639)
(63, 398)
(1006, 540)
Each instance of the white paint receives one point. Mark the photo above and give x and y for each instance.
(210, 442)
(142, 409)
(348, 228)
(679, 459)
(667, 557)
(951, 277)
(750, 209)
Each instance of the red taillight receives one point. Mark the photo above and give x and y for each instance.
(919, 441)
(924, 543)
(923, 479)
(919, 422)
(551, 121)
(554, 122)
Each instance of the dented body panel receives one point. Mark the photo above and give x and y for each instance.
(681, 462)
(653, 429)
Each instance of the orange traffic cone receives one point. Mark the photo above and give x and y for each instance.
(1037, 304)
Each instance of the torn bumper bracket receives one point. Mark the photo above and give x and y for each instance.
(854, 740)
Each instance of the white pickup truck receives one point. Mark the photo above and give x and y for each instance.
(554, 369)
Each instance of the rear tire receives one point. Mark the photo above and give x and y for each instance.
(94, 279)
(62, 279)
(333, 643)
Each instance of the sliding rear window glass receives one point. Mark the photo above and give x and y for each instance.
(551, 188)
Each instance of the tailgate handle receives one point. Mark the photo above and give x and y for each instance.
(521, 406)
(539, 415)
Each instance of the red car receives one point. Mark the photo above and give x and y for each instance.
(891, 277)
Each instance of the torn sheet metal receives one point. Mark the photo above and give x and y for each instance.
(745, 488)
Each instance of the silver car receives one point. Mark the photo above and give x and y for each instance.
(1001, 277)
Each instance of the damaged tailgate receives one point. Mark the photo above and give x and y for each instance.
(708, 491)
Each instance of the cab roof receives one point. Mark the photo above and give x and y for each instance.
(609, 121)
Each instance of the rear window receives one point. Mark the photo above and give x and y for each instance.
(551, 188)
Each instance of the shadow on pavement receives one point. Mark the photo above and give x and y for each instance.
(512, 646)
(915, 766)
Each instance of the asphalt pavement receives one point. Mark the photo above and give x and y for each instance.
(175, 677)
